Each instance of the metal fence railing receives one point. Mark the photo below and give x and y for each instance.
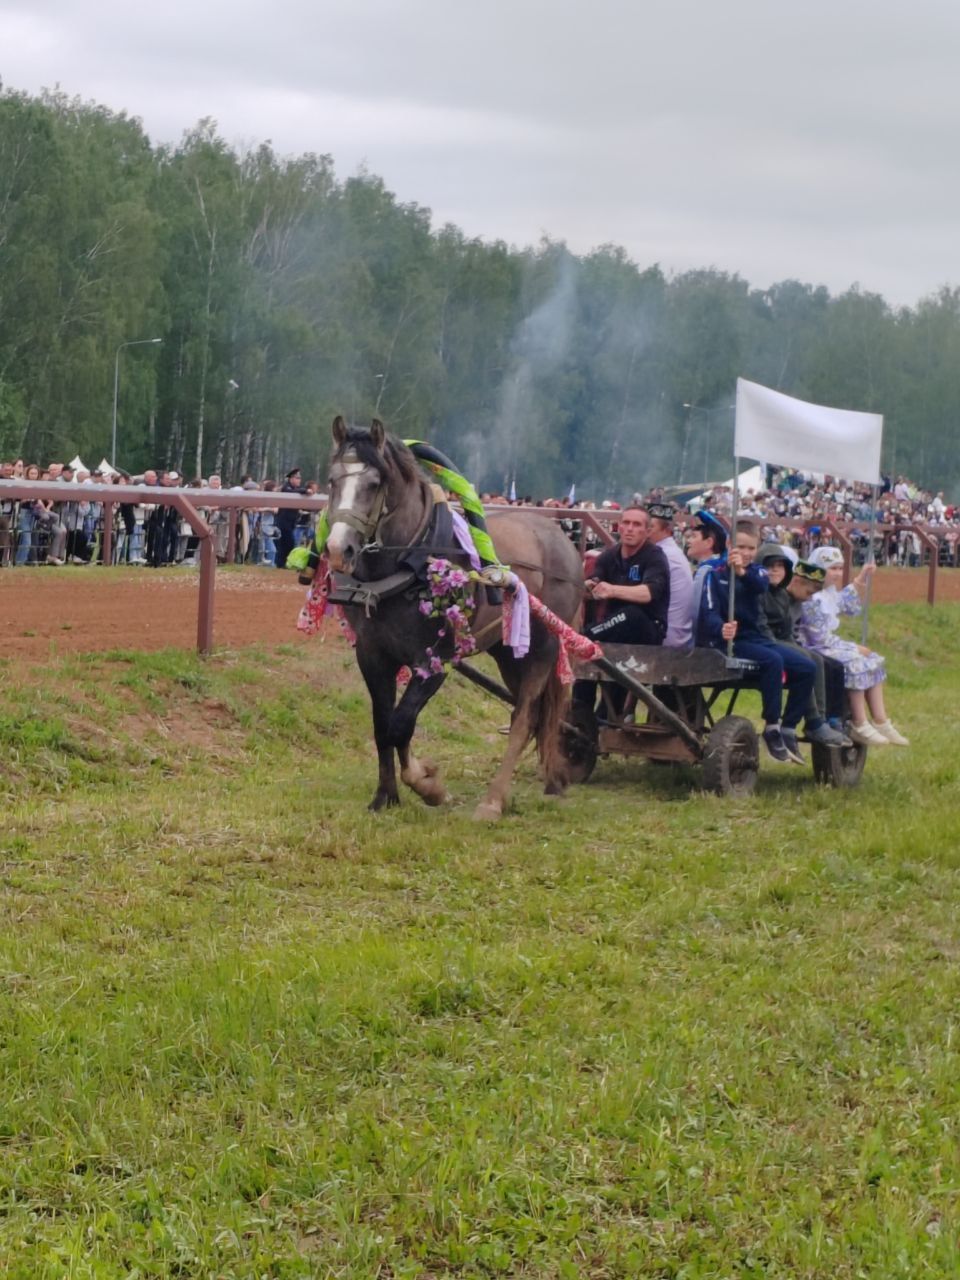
(108, 524)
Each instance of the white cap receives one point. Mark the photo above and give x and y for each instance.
(825, 557)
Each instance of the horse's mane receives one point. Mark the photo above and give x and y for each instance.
(396, 458)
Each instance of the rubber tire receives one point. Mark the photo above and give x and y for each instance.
(580, 755)
(838, 766)
(731, 757)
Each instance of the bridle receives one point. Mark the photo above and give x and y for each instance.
(366, 525)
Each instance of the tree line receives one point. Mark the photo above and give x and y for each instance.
(285, 295)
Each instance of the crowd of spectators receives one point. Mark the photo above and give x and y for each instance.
(792, 498)
(796, 496)
(796, 510)
(790, 508)
(69, 531)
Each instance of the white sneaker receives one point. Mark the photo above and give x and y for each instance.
(865, 735)
(892, 734)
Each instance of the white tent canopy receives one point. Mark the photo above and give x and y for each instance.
(753, 479)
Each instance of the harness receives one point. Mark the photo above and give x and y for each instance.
(346, 589)
(435, 528)
(433, 539)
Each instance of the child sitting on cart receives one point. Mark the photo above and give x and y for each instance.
(713, 629)
(864, 670)
(780, 613)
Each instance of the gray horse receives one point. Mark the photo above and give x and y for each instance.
(379, 510)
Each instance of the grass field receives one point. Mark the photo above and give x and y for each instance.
(249, 1030)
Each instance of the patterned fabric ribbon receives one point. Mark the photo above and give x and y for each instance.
(572, 643)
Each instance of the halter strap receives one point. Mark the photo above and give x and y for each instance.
(366, 526)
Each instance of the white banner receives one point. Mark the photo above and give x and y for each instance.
(778, 429)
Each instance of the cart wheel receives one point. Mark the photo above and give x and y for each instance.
(838, 766)
(578, 742)
(731, 757)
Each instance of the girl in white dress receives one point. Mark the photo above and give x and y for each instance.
(864, 671)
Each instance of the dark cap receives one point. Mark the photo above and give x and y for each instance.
(811, 572)
(709, 523)
(294, 472)
(661, 510)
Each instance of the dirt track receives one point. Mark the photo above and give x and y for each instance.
(79, 610)
(82, 609)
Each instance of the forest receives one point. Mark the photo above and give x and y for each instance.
(284, 294)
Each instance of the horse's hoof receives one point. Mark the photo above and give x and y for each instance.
(434, 796)
(422, 776)
(488, 811)
(382, 800)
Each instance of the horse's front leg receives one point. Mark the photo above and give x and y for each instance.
(381, 682)
(420, 775)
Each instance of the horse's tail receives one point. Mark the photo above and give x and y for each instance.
(552, 709)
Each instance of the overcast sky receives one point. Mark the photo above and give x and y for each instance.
(812, 141)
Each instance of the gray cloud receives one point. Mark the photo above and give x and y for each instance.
(768, 139)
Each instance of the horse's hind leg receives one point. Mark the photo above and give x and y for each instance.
(420, 775)
(553, 706)
(521, 729)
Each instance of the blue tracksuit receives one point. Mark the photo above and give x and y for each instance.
(773, 660)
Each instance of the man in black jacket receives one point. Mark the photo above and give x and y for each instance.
(286, 520)
(633, 578)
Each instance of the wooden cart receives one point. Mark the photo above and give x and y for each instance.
(672, 712)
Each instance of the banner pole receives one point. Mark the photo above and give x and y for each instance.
(731, 592)
(871, 559)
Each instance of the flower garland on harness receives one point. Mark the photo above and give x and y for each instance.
(449, 597)
(451, 601)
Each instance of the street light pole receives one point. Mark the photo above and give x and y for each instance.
(708, 414)
(692, 409)
(140, 342)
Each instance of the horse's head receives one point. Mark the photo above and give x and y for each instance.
(357, 486)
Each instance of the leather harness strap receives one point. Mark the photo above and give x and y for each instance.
(367, 595)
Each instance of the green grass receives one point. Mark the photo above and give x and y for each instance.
(248, 1029)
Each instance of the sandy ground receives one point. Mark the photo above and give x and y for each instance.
(46, 611)
(82, 609)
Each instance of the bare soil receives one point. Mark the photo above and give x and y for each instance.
(45, 611)
(76, 609)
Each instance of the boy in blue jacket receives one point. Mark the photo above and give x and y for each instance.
(773, 660)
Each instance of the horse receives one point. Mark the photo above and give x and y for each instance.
(379, 510)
